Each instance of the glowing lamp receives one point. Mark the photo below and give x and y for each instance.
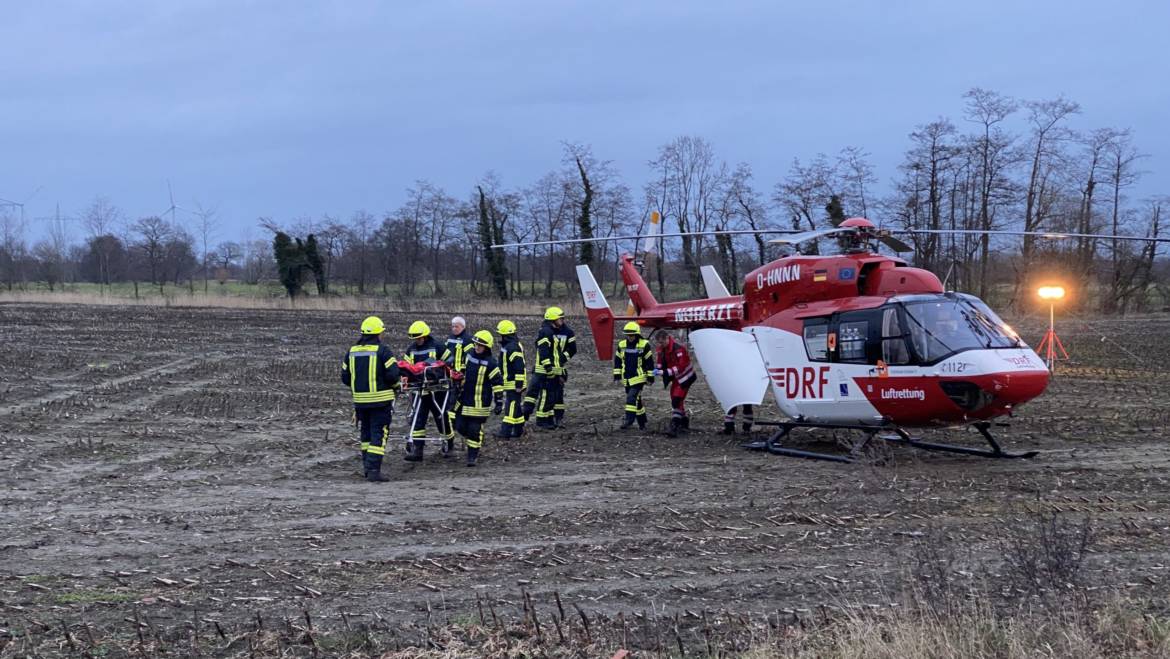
(1050, 345)
(1051, 292)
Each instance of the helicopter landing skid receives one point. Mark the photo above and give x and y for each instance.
(775, 446)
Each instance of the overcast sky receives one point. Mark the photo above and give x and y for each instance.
(276, 109)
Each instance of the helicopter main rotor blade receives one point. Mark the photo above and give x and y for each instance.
(810, 235)
(1054, 235)
(653, 236)
(895, 244)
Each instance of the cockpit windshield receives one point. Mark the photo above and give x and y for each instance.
(940, 326)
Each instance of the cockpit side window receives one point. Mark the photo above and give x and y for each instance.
(895, 352)
(816, 339)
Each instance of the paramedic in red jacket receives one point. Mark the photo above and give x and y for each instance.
(674, 365)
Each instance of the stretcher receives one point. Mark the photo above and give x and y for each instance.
(434, 378)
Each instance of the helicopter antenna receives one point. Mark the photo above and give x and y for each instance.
(948, 277)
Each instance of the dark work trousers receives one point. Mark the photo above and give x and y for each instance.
(513, 425)
(374, 424)
(635, 410)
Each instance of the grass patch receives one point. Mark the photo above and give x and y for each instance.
(94, 597)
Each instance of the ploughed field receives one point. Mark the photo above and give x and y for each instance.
(164, 469)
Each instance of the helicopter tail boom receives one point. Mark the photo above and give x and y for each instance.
(639, 292)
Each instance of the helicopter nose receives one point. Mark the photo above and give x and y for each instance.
(1019, 387)
(995, 394)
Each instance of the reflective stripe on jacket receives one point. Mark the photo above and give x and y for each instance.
(457, 346)
(512, 364)
(481, 381)
(370, 370)
(428, 351)
(633, 361)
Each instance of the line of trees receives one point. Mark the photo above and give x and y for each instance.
(1004, 164)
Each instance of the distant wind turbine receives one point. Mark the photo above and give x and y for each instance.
(173, 208)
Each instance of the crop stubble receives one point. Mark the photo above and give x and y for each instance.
(180, 460)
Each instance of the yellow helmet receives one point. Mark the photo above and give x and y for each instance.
(418, 329)
(506, 327)
(554, 313)
(373, 325)
(632, 328)
(483, 338)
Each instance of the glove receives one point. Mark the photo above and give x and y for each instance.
(656, 372)
(499, 407)
(650, 380)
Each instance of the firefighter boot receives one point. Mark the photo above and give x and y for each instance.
(472, 456)
(374, 469)
(518, 431)
(641, 422)
(629, 421)
(686, 422)
(747, 428)
(728, 428)
(415, 454)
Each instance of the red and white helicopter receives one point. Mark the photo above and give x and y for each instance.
(853, 341)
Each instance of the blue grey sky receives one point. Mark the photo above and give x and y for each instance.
(288, 109)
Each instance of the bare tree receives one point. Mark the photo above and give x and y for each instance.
(1047, 136)
(13, 249)
(856, 174)
(206, 225)
(226, 256)
(1121, 173)
(1095, 152)
(549, 206)
(921, 201)
(993, 148)
(361, 228)
(101, 219)
(750, 206)
(153, 235)
(258, 261)
(693, 188)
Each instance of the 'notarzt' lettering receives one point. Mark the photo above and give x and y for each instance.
(780, 275)
(707, 313)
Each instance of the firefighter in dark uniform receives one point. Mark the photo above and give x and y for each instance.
(566, 341)
(370, 370)
(749, 419)
(482, 385)
(512, 373)
(546, 393)
(458, 344)
(424, 348)
(633, 366)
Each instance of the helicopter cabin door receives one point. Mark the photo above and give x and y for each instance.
(800, 375)
(857, 347)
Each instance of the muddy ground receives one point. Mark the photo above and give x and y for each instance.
(198, 464)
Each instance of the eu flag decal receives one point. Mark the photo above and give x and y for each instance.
(846, 274)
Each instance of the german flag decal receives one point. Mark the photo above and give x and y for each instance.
(820, 275)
